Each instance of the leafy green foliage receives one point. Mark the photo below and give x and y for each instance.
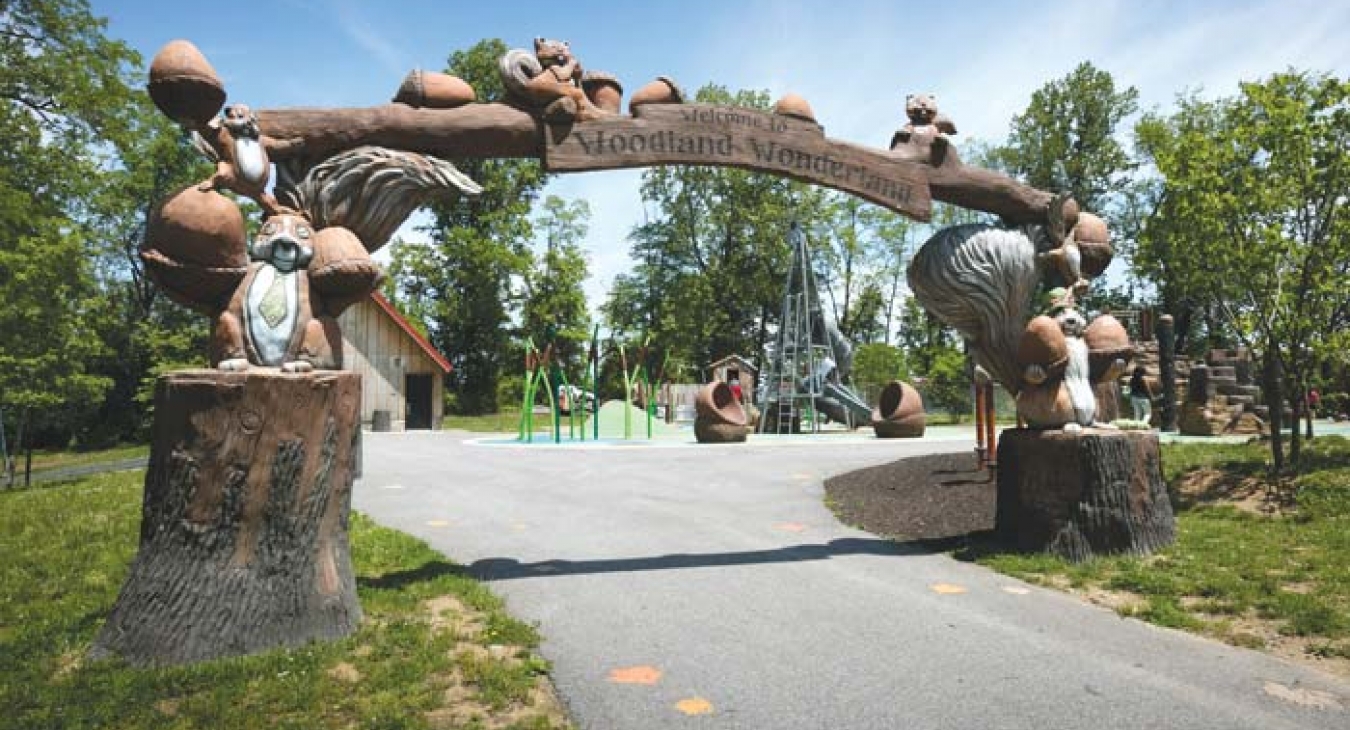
(875, 364)
(1065, 140)
(461, 285)
(62, 89)
(713, 257)
(946, 385)
(1252, 221)
(555, 300)
(61, 576)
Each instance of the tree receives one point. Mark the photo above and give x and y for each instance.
(875, 364)
(712, 258)
(1253, 220)
(462, 285)
(555, 300)
(1065, 140)
(62, 90)
(145, 334)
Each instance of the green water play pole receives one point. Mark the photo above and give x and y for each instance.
(552, 402)
(627, 395)
(527, 396)
(595, 382)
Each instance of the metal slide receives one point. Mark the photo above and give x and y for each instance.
(843, 405)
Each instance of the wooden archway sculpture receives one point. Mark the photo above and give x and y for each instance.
(244, 538)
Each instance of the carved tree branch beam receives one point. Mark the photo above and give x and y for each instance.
(471, 131)
(979, 189)
(499, 130)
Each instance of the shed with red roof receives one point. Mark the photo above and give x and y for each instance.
(402, 374)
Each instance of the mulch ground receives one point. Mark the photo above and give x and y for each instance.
(920, 498)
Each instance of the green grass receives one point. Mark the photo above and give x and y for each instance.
(504, 421)
(1289, 570)
(53, 459)
(67, 549)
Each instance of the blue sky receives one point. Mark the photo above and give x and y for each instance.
(853, 61)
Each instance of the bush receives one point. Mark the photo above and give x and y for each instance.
(1334, 404)
(947, 386)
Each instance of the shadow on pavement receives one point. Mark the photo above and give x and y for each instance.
(511, 569)
(422, 573)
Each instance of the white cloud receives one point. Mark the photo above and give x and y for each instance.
(361, 30)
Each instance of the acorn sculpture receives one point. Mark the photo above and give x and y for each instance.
(719, 418)
(899, 412)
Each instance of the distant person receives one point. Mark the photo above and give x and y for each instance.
(1141, 398)
(1314, 400)
(735, 386)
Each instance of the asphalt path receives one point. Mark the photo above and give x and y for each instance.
(710, 587)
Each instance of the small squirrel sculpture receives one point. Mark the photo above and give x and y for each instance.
(234, 141)
(549, 78)
(1057, 390)
(284, 312)
(925, 125)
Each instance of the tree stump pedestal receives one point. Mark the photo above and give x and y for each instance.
(243, 543)
(1082, 494)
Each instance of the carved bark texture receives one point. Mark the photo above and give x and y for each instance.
(243, 543)
(1082, 494)
(499, 130)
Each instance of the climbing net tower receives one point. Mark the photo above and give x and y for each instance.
(801, 355)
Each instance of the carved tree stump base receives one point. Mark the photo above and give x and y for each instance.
(243, 543)
(1077, 495)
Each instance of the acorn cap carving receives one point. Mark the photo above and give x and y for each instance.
(716, 403)
(793, 105)
(341, 270)
(604, 90)
(1107, 341)
(194, 248)
(184, 86)
(1094, 243)
(432, 90)
(1042, 344)
(1106, 333)
(661, 91)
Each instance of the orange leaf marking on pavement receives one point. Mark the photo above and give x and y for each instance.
(635, 675)
(694, 706)
(791, 526)
(438, 523)
(947, 588)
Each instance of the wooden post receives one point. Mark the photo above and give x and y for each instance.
(1077, 495)
(990, 440)
(243, 543)
(980, 446)
(1167, 365)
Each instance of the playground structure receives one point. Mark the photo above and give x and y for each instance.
(542, 371)
(810, 358)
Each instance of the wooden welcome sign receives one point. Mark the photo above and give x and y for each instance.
(702, 134)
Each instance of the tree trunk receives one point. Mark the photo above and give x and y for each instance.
(1079, 495)
(1275, 397)
(243, 543)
